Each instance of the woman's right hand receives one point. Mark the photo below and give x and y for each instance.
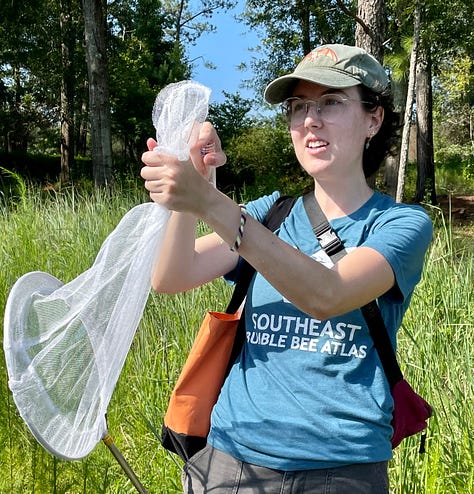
(183, 185)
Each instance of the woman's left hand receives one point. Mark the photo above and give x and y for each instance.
(206, 153)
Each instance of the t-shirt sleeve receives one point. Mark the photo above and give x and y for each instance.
(402, 235)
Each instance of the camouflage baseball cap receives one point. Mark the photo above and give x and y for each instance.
(336, 66)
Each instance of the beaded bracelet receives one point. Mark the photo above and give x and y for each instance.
(240, 232)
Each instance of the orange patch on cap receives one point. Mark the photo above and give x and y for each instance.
(322, 52)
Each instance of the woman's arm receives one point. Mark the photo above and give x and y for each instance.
(358, 278)
(186, 261)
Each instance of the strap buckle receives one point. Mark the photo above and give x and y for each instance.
(329, 240)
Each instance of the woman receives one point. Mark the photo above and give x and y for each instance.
(312, 413)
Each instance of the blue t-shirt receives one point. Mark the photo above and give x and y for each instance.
(305, 393)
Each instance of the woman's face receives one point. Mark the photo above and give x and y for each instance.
(329, 143)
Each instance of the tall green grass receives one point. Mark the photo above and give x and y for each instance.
(61, 233)
(436, 346)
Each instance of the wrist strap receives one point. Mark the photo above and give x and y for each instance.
(240, 233)
(334, 248)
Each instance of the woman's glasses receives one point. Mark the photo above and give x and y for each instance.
(329, 107)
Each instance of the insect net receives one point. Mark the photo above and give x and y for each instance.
(65, 344)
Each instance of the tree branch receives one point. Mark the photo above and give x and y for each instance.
(346, 11)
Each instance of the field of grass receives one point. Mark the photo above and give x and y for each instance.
(61, 233)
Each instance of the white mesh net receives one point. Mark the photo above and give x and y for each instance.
(65, 344)
(179, 110)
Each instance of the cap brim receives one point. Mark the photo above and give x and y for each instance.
(282, 88)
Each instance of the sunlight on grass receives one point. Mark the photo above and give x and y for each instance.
(61, 233)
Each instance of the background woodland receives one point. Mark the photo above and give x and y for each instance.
(78, 80)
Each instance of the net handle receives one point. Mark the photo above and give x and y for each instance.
(109, 442)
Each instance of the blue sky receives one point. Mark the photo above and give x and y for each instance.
(226, 49)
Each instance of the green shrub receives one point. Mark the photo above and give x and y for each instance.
(455, 168)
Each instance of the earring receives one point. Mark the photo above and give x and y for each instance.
(367, 142)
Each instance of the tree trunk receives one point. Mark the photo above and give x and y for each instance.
(370, 34)
(409, 104)
(399, 91)
(425, 182)
(17, 135)
(82, 128)
(101, 140)
(303, 9)
(68, 40)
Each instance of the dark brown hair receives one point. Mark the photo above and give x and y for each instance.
(383, 143)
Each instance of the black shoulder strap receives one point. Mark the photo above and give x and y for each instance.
(273, 219)
(323, 231)
(333, 246)
(379, 333)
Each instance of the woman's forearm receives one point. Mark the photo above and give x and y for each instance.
(176, 257)
(186, 261)
(357, 279)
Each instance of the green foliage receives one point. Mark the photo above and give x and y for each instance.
(142, 60)
(35, 167)
(435, 348)
(399, 60)
(455, 157)
(263, 159)
(231, 118)
(13, 187)
(455, 168)
(43, 168)
(452, 178)
(289, 31)
(454, 100)
(259, 150)
(147, 48)
(29, 37)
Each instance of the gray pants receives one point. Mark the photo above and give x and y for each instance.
(214, 472)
